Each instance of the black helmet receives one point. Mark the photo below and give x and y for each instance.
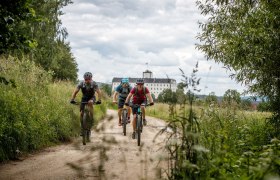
(87, 75)
(139, 81)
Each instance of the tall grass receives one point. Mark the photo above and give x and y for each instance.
(214, 143)
(35, 112)
(227, 143)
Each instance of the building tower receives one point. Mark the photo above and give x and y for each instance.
(147, 74)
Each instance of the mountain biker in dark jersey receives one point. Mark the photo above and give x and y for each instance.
(88, 87)
(123, 90)
(139, 97)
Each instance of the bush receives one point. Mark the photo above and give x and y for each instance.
(35, 112)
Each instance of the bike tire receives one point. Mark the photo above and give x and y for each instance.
(138, 129)
(84, 128)
(88, 133)
(124, 121)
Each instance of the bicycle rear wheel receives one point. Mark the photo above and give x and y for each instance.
(124, 120)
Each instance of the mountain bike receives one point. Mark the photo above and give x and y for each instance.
(124, 120)
(87, 122)
(139, 121)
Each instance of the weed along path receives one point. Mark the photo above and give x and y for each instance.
(109, 155)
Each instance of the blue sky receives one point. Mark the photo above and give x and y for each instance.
(117, 38)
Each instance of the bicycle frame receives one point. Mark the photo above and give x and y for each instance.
(87, 122)
(139, 121)
(139, 125)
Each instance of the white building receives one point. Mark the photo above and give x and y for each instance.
(155, 85)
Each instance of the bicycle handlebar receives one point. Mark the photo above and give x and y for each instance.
(78, 103)
(138, 105)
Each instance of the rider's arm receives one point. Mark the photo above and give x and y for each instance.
(75, 93)
(128, 97)
(115, 96)
(150, 98)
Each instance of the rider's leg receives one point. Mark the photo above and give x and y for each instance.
(128, 112)
(134, 110)
(81, 121)
(143, 115)
(82, 108)
(143, 111)
(134, 122)
(90, 105)
(120, 106)
(120, 114)
(134, 126)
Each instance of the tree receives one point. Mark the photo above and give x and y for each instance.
(180, 93)
(181, 96)
(107, 89)
(231, 96)
(167, 96)
(244, 35)
(12, 14)
(211, 98)
(33, 29)
(64, 65)
(246, 104)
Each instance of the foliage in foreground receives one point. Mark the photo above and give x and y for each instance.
(244, 36)
(219, 144)
(34, 111)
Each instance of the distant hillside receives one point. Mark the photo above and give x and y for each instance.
(220, 98)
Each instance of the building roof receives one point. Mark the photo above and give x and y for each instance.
(147, 71)
(146, 80)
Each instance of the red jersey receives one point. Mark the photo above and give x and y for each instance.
(139, 97)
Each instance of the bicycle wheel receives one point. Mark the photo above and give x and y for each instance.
(88, 133)
(138, 129)
(84, 127)
(124, 120)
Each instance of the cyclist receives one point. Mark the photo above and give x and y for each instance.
(140, 94)
(88, 87)
(123, 90)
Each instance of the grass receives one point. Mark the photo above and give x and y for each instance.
(35, 112)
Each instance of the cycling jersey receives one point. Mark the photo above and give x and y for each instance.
(123, 91)
(139, 97)
(88, 90)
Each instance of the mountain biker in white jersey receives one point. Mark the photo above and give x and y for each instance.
(88, 87)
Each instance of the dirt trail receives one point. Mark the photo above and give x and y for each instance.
(109, 155)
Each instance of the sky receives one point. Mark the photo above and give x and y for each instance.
(123, 38)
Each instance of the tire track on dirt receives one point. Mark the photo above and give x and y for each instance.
(109, 155)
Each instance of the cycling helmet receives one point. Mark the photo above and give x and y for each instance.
(139, 81)
(124, 80)
(87, 75)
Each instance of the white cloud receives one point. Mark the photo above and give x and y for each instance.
(116, 38)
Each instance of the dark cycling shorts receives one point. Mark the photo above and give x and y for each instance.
(121, 103)
(85, 99)
(134, 109)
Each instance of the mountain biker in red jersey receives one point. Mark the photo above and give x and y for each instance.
(88, 87)
(140, 94)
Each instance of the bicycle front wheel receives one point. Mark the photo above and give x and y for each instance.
(138, 129)
(85, 127)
